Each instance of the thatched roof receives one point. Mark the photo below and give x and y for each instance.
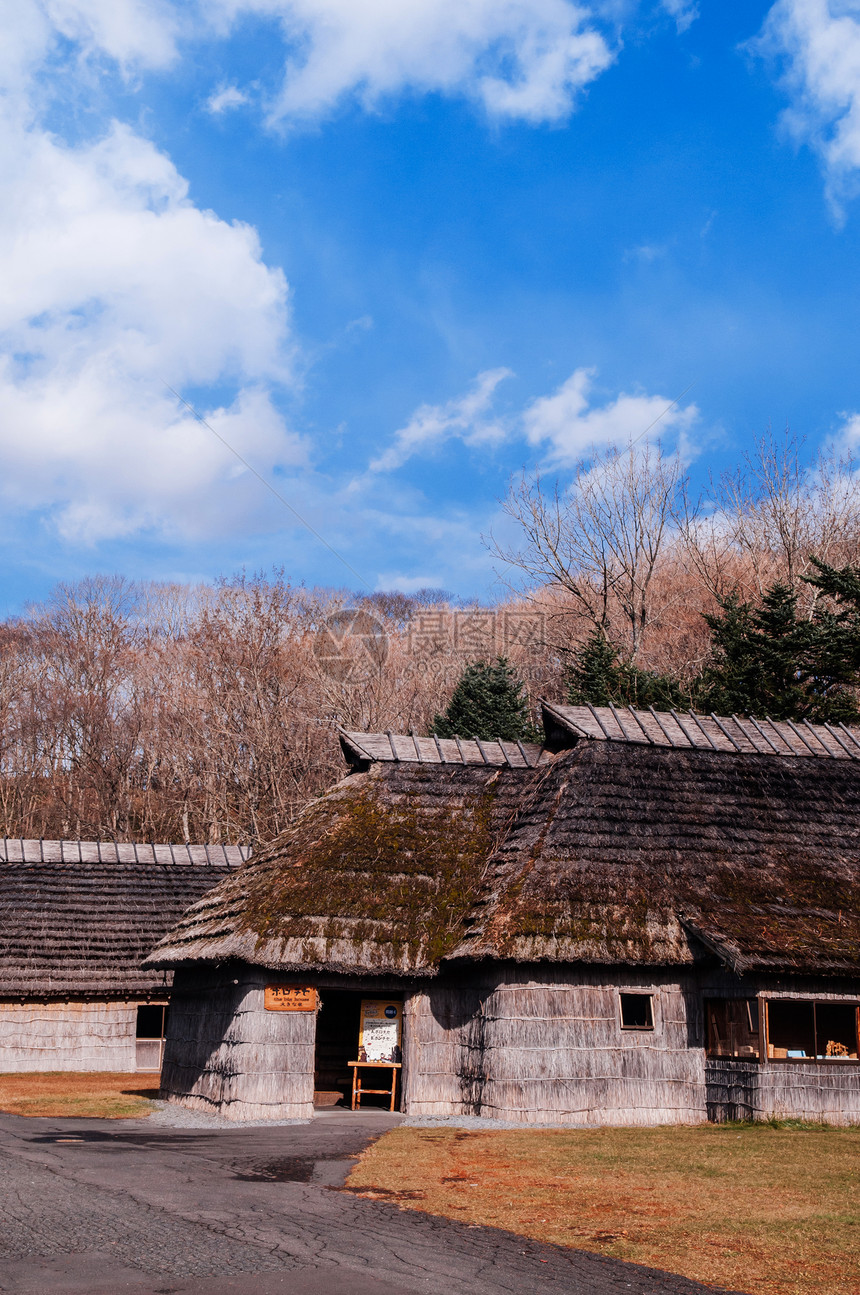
(632, 837)
(378, 874)
(73, 926)
(638, 854)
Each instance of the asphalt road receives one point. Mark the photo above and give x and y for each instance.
(104, 1207)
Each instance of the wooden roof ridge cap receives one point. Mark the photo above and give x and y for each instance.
(556, 710)
(632, 711)
(849, 733)
(761, 730)
(350, 738)
(727, 732)
(102, 859)
(832, 731)
(764, 736)
(815, 729)
(805, 740)
(663, 729)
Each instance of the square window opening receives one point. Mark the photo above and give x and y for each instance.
(637, 1012)
(151, 1020)
(790, 1030)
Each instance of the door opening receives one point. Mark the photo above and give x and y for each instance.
(150, 1030)
(337, 1045)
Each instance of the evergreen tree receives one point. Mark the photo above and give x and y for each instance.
(488, 702)
(599, 677)
(768, 662)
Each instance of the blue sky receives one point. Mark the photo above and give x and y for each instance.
(394, 251)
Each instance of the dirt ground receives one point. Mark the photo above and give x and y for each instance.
(773, 1210)
(65, 1094)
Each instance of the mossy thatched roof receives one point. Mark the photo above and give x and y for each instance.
(378, 874)
(644, 854)
(622, 848)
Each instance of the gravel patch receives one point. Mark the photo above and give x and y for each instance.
(170, 1116)
(481, 1122)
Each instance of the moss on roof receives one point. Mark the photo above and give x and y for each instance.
(611, 853)
(380, 873)
(629, 849)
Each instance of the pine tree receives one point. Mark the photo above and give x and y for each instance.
(488, 702)
(766, 661)
(599, 677)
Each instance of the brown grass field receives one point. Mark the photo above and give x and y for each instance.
(767, 1209)
(63, 1094)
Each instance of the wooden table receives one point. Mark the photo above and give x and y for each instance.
(357, 1089)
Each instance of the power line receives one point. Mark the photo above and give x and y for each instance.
(269, 485)
(660, 417)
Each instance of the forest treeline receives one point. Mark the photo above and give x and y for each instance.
(146, 711)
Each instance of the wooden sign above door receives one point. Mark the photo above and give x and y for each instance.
(290, 998)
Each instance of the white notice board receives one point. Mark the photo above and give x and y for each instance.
(380, 1029)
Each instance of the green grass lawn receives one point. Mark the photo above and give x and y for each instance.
(772, 1209)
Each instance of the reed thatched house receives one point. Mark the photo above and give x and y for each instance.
(76, 919)
(652, 918)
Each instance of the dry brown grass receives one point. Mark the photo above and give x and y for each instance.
(63, 1094)
(773, 1210)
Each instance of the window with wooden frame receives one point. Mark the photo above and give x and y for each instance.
(804, 1029)
(733, 1027)
(637, 1011)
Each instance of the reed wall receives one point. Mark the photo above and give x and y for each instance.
(789, 1090)
(548, 1048)
(539, 1045)
(227, 1055)
(82, 1035)
(545, 1046)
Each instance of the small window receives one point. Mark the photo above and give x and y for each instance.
(150, 1021)
(802, 1030)
(636, 1012)
(732, 1027)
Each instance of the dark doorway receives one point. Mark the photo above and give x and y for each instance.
(150, 1032)
(338, 1023)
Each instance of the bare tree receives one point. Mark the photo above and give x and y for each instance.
(772, 513)
(601, 538)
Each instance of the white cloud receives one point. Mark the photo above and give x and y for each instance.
(525, 59)
(570, 424)
(465, 418)
(685, 12)
(114, 283)
(517, 59)
(131, 32)
(566, 424)
(819, 41)
(226, 99)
